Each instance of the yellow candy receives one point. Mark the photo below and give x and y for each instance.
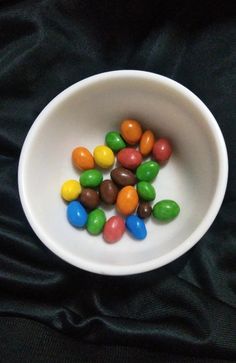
(103, 156)
(70, 190)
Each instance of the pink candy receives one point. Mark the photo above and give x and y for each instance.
(114, 229)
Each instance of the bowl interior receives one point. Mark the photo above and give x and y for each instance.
(82, 115)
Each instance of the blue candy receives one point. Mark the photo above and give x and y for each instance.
(136, 227)
(76, 214)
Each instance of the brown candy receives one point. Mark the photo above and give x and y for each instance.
(144, 210)
(108, 191)
(89, 198)
(123, 177)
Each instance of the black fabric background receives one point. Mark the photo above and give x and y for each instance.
(51, 311)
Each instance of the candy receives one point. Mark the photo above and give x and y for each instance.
(147, 142)
(114, 229)
(146, 191)
(96, 221)
(91, 178)
(103, 156)
(129, 158)
(136, 227)
(127, 200)
(114, 141)
(108, 191)
(131, 131)
(144, 210)
(123, 177)
(162, 150)
(89, 198)
(70, 190)
(166, 210)
(147, 171)
(76, 214)
(82, 158)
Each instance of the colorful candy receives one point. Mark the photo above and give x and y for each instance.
(123, 177)
(108, 191)
(103, 156)
(131, 131)
(96, 221)
(114, 229)
(166, 210)
(76, 214)
(129, 158)
(115, 141)
(127, 200)
(133, 176)
(70, 190)
(147, 142)
(136, 227)
(89, 198)
(82, 158)
(144, 210)
(162, 150)
(91, 178)
(147, 171)
(146, 191)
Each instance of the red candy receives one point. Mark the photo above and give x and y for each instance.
(129, 158)
(162, 150)
(114, 229)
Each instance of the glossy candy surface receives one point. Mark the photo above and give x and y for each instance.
(122, 176)
(114, 229)
(146, 191)
(144, 210)
(76, 214)
(89, 198)
(103, 156)
(96, 221)
(136, 227)
(148, 171)
(82, 158)
(70, 190)
(162, 150)
(129, 158)
(166, 210)
(91, 178)
(115, 141)
(147, 142)
(108, 191)
(131, 131)
(127, 200)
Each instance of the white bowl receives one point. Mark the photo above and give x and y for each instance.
(195, 176)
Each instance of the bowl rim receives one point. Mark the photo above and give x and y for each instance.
(187, 243)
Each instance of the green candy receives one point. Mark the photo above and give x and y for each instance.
(166, 210)
(96, 221)
(114, 141)
(91, 178)
(147, 171)
(146, 191)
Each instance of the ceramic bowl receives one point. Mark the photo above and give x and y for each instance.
(195, 176)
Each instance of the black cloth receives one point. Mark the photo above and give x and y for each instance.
(51, 311)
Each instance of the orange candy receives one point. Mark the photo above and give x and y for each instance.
(127, 200)
(82, 158)
(131, 131)
(147, 142)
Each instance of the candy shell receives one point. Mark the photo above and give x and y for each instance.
(114, 229)
(136, 227)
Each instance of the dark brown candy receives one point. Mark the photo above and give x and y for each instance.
(144, 210)
(108, 191)
(89, 198)
(123, 177)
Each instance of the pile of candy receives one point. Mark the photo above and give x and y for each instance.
(84, 198)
